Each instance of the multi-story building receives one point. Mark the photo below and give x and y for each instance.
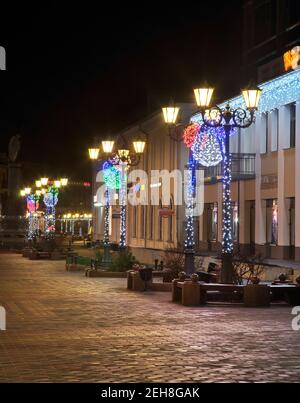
(265, 187)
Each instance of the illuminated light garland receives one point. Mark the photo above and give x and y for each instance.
(33, 224)
(123, 194)
(106, 220)
(189, 241)
(278, 92)
(206, 148)
(50, 201)
(227, 244)
(32, 204)
(190, 133)
(111, 175)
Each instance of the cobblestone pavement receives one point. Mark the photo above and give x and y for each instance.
(64, 327)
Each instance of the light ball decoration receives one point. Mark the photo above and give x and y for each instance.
(190, 133)
(32, 205)
(50, 199)
(207, 148)
(111, 175)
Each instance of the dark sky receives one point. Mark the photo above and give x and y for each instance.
(76, 72)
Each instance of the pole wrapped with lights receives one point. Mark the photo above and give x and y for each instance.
(228, 119)
(50, 201)
(106, 219)
(115, 177)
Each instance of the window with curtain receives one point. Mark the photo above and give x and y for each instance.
(170, 222)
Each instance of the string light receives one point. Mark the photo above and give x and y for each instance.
(33, 224)
(278, 92)
(123, 194)
(189, 241)
(106, 219)
(50, 201)
(227, 244)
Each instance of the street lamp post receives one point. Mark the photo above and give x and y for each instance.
(227, 118)
(124, 159)
(50, 201)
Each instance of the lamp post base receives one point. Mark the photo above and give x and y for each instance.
(227, 269)
(106, 260)
(189, 261)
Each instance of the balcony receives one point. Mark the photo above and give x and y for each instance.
(242, 168)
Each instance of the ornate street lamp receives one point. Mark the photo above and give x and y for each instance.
(50, 201)
(94, 153)
(64, 181)
(227, 118)
(44, 181)
(125, 159)
(32, 202)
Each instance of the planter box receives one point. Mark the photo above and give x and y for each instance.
(257, 295)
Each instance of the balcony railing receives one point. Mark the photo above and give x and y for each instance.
(242, 167)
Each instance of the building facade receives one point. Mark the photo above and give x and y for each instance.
(265, 186)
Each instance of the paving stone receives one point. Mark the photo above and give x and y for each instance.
(64, 327)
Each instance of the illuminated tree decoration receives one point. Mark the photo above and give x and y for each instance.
(206, 148)
(111, 175)
(190, 133)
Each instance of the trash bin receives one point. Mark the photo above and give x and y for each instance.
(204, 276)
(146, 275)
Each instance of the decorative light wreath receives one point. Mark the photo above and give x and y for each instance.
(190, 133)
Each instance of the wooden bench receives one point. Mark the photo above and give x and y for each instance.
(191, 293)
(34, 255)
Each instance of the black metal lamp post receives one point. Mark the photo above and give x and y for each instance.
(228, 118)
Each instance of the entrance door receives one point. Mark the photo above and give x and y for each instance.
(252, 227)
(292, 228)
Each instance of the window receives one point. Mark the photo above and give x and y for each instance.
(264, 133)
(292, 125)
(272, 221)
(134, 224)
(293, 12)
(265, 21)
(160, 223)
(212, 222)
(170, 221)
(142, 222)
(235, 221)
(274, 130)
(267, 132)
(151, 222)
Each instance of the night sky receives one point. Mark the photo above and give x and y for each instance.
(78, 72)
